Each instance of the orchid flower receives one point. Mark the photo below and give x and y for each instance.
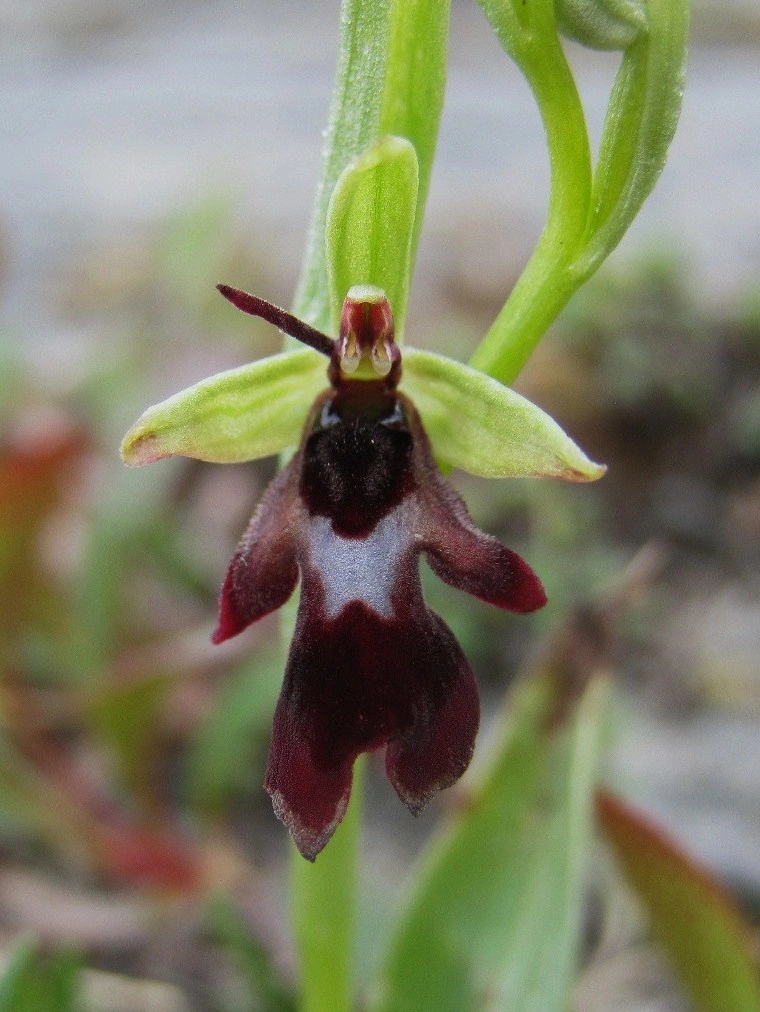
(370, 666)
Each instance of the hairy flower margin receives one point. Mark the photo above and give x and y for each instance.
(370, 666)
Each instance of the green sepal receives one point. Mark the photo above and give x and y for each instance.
(483, 427)
(474, 422)
(370, 225)
(243, 414)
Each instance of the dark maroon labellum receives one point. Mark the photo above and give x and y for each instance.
(357, 467)
(370, 665)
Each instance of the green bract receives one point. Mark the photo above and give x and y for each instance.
(391, 80)
(370, 225)
(474, 422)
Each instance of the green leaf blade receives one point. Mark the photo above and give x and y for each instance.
(497, 911)
(222, 760)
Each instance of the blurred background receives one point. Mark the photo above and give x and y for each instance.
(148, 151)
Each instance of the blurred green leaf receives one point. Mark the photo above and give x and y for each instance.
(29, 801)
(222, 760)
(195, 249)
(370, 225)
(696, 921)
(495, 919)
(127, 715)
(115, 536)
(18, 985)
(267, 990)
(34, 470)
(34, 982)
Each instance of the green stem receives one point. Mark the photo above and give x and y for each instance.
(415, 86)
(353, 124)
(547, 283)
(390, 80)
(585, 221)
(641, 120)
(323, 899)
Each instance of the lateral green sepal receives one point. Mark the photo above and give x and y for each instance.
(483, 427)
(254, 411)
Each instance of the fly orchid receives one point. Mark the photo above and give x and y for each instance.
(370, 666)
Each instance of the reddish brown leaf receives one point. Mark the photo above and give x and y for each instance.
(696, 920)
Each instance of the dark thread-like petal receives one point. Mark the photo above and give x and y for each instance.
(287, 323)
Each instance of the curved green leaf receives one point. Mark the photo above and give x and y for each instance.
(496, 917)
(370, 225)
(483, 427)
(243, 414)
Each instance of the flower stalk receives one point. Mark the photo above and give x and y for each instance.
(323, 912)
(590, 208)
(390, 82)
